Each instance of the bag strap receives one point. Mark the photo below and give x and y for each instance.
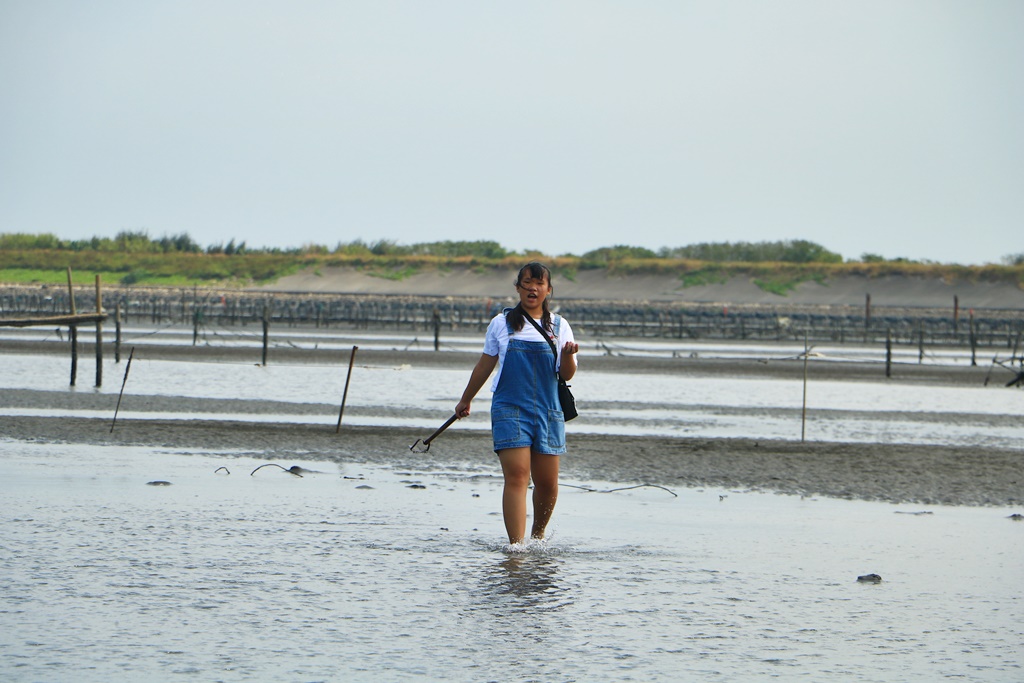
(546, 337)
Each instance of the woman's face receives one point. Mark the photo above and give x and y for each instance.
(533, 291)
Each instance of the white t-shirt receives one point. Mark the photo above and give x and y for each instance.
(496, 341)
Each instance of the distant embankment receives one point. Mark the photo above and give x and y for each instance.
(780, 291)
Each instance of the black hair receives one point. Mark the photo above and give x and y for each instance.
(537, 271)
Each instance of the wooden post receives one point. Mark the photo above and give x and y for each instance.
(344, 395)
(117, 332)
(867, 316)
(888, 352)
(99, 334)
(121, 393)
(974, 341)
(803, 412)
(73, 329)
(437, 330)
(956, 313)
(920, 342)
(266, 330)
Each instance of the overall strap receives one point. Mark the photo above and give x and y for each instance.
(543, 334)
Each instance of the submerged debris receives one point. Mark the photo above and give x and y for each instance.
(158, 483)
(869, 578)
(294, 470)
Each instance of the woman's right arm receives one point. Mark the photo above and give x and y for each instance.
(484, 368)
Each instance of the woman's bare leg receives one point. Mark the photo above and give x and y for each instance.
(515, 466)
(545, 490)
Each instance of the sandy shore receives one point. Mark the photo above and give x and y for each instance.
(904, 474)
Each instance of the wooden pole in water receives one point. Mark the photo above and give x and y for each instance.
(974, 341)
(73, 330)
(437, 330)
(888, 352)
(266, 331)
(117, 332)
(99, 334)
(344, 395)
(803, 412)
(121, 393)
(920, 342)
(867, 316)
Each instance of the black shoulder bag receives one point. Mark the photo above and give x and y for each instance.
(565, 397)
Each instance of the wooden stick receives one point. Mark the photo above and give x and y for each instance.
(99, 333)
(266, 331)
(344, 395)
(58, 320)
(974, 341)
(803, 412)
(437, 330)
(73, 329)
(121, 393)
(888, 352)
(117, 332)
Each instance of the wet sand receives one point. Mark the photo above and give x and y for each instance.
(902, 474)
(906, 474)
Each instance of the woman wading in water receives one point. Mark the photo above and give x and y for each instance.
(526, 419)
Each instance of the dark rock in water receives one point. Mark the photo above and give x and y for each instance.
(415, 486)
(365, 486)
(1017, 517)
(295, 469)
(158, 483)
(870, 578)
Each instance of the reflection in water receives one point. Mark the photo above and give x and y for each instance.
(529, 580)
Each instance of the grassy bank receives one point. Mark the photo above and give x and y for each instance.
(49, 266)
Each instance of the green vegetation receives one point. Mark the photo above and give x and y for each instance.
(711, 275)
(392, 273)
(791, 251)
(136, 259)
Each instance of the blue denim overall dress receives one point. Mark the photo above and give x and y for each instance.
(524, 409)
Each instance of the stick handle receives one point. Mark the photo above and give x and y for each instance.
(446, 425)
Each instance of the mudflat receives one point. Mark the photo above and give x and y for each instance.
(916, 475)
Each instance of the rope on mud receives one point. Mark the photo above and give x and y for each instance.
(623, 488)
(294, 469)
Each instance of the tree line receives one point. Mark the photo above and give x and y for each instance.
(139, 242)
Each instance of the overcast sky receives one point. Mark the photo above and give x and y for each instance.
(893, 127)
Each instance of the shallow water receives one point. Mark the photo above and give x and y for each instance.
(342, 339)
(350, 574)
(619, 403)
